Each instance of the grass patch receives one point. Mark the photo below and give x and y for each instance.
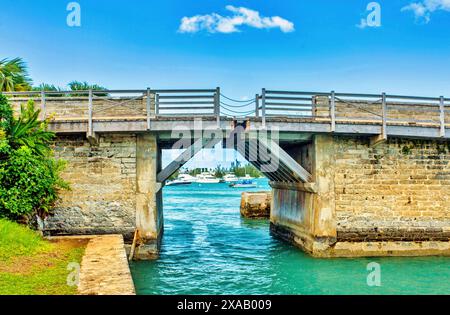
(17, 240)
(30, 265)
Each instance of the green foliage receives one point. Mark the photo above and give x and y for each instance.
(14, 75)
(49, 88)
(197, 171)
(28, 183)
(6, 114)
(28, 131)
(220, 171)
(174, 175)
(241, 171)
(73, 86)
(84, 86)
(236, 168)
(29, 175)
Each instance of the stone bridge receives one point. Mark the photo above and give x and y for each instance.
(351, 174)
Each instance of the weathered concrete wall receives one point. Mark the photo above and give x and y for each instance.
(291, 215)
(149, 212)
(392, 199)
(305, 214)
(102, 199)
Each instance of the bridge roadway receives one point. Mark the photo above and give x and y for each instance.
(163, 111)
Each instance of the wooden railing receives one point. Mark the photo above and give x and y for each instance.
(336, 108)
(328, 107)
(121, 104)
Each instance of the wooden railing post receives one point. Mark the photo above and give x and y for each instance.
(90, 108)
(43, 106)
(217, 106)
(257, 105)
(148, 108)
(157, 105)
(384, 116)
(263, 108)
(333, 111)
(442, 117)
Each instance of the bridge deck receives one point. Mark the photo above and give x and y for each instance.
(284, 125)
(288, 111)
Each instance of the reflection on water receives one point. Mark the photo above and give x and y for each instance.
(209, 249)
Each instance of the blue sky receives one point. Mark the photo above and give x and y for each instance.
(135, 44)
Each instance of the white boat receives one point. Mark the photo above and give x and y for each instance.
(230, 178)
(207, 178)
(246, 177)
(244, 184)
(182, 179)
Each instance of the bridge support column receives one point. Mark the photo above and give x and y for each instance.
(149, 213)
(304, 214)
(324, 214)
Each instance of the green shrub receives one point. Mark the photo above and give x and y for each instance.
(29, 175)
(6, 114)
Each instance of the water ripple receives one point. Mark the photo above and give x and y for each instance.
(209, 249)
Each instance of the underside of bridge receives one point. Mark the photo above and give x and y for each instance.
(331, 196)
(295, 163)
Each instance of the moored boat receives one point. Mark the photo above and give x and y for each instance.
(182, 179)
(207, 178)
(244, 184)
(246, 177)
(230, 178)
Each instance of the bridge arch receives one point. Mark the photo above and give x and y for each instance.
(287, 159)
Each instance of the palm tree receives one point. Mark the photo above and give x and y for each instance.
(26, 129)
(14, 75)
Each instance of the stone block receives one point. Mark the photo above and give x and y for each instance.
(256, 204)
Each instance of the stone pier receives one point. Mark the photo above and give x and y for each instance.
(113, 189)
(149, 214)
(104, 268)
(391, 199)
(256, 204)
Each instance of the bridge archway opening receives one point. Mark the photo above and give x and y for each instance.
(279, 157)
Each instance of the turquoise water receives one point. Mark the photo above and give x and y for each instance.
(209, 249)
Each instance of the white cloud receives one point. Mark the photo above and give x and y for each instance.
(423, 9)
(215, 23)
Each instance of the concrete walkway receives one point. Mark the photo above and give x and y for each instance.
(104, 268)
